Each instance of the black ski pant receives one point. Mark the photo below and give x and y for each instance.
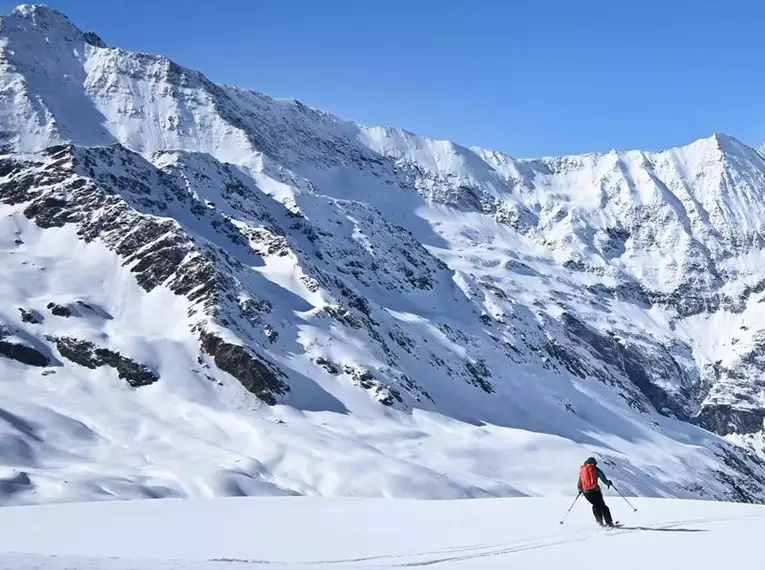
(599, 509)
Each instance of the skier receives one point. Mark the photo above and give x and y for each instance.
(589, 487)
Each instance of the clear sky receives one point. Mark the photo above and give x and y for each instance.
(527, 77)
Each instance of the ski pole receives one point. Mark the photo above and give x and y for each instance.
(623, 497)
(571, 507)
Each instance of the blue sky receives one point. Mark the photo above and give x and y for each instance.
(527, 77)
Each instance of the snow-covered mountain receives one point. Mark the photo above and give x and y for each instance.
(208, 291)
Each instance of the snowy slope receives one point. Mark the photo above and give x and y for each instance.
(307, 533)
(211, 292)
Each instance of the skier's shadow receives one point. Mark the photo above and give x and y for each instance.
(664, 529)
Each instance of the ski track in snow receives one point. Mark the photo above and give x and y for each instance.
(517, 533)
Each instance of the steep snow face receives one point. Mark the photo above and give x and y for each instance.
(677, 233)
(41, 56)
(248, 296)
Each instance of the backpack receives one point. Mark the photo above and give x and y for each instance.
(589, 477)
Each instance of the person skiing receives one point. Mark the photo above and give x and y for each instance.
(588, 485)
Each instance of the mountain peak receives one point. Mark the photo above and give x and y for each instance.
(731, 146)
(719, 144)
(46, 18)
(40, 14)
(724, 140)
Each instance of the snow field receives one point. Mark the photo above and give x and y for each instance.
(304, 533)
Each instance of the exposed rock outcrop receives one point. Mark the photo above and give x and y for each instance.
(89, 355)
(255, 374)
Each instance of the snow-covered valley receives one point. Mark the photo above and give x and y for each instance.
(308, 533)
(208, 292)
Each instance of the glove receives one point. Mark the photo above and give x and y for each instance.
(608, 484)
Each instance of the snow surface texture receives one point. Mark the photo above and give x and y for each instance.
(209, 292)
(307, 533)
